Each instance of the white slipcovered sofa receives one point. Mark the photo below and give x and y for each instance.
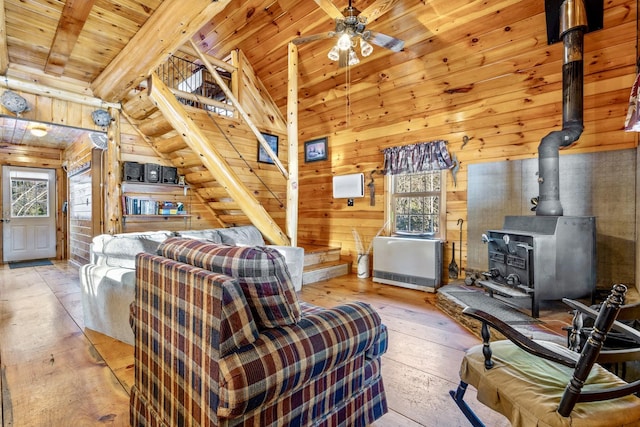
(108, 281)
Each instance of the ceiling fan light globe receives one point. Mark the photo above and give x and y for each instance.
(334, 54)
(353, 58)
(365, 48)
(344, 42)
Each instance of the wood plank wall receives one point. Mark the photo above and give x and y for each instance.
(494, 80)
(84, 197)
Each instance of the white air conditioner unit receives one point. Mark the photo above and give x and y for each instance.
(348, 186)
(408, 262)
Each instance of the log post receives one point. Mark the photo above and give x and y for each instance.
(292, 137)
(113, 204)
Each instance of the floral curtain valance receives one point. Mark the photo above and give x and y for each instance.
(425, 156)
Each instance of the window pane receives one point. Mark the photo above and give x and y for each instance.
(416, 202)
(432, 204)
(402, 222)
(417, 223)
(402, 205)
(416, 205)
(402, 183)
(29, 197)
(418, 183)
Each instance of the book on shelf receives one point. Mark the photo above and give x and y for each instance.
(141, 206)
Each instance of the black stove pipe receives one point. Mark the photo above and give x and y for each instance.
(573, 24)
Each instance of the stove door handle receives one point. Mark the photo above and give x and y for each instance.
(525, 246)
(486, 239)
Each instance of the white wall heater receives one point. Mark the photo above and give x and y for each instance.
(348, 186)
(408, 262)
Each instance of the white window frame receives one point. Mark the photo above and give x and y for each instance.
(390, 197)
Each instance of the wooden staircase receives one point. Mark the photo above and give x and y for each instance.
(323, 263)
(184, 137)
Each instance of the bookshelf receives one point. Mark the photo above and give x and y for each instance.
(148, 202)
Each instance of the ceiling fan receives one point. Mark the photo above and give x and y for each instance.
(350, 27)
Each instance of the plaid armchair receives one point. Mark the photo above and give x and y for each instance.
(221, 340)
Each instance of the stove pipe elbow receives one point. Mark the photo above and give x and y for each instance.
(573, 25)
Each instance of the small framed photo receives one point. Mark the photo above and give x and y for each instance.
(315, 150)
(272, 140)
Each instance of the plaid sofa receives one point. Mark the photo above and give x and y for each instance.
(221, 340)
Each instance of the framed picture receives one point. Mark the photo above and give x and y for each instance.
(272, 140)
(315, 150)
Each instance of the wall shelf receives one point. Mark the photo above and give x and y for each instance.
(141, 202)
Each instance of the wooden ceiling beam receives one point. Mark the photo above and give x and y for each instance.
(64, 95)
(171, 25)
(74, 15)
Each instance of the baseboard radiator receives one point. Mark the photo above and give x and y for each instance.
(408, 262)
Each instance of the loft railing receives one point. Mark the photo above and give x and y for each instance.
(194, 86)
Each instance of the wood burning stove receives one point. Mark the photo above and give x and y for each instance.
(542, 258)
(550, 256)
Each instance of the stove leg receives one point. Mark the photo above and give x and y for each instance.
(535, 307)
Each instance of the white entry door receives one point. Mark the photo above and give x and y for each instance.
(28, 213)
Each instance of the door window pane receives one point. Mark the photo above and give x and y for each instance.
(29, 198)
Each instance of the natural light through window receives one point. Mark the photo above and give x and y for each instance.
(416, 201)
(29, 197)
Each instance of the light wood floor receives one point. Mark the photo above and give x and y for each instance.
(56, 373)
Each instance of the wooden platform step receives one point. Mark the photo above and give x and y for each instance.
(324, 271)
(323, 263)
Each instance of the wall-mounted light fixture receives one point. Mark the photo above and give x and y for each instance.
(14, 102)
(101, 118)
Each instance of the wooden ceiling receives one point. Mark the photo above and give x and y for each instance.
(448, 44)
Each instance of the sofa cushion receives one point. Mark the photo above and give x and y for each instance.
(261, 272)
(246, 235)
(210, 235)
(282, 360)
(120, 250)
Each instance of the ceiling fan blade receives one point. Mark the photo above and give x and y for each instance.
(386, 41)
(329, 8)
(377, 9)
(311, 38)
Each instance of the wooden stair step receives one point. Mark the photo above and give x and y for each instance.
(235, 219)
(169, 144)
(140, 106)
(320, 254)
(225, 206)
(325, 271)
(155, 126)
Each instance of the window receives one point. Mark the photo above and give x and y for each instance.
(416, 202)
(29, 197)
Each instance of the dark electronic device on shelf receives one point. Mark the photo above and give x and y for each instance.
(152, 172)
(133, 172)
(169, 175)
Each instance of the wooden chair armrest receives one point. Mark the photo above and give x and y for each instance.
(610, 393)
(627, 331)
(519, 339)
